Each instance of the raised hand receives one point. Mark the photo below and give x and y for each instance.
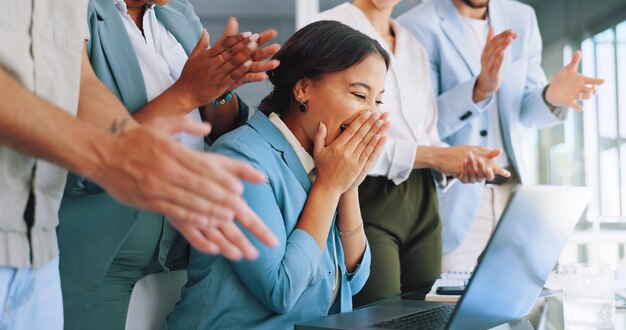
(196, 191)
(233, 60)
(569, 88)
(488, 80)
(341, 164)
(373, 150)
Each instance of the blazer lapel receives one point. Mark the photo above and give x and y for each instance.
(179, 27)
(116, 45)
(499, 22)
(272, 135)
(453, 29)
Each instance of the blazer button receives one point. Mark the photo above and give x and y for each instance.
(483, 133)
(466, 115)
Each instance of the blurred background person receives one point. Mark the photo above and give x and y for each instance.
(488, 88)
(155, 57)
(398, 198)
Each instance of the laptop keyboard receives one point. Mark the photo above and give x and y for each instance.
(436, 318)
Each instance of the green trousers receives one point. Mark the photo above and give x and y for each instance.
(152, 246)
(403, 229)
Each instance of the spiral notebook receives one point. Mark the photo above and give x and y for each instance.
(448, 279)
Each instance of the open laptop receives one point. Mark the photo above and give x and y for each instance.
(509, 276)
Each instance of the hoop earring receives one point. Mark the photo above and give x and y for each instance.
(302, 107)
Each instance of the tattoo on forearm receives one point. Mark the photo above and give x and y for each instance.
(117, 126)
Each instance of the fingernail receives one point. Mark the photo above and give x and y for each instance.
(247, 63)
(246, 34)
(376, 115)
(379, 123)
(367, 114)
(254, 37)
(252, 45)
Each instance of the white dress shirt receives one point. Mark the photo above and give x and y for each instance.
(161, 58)
(477, 31)
(409, 97)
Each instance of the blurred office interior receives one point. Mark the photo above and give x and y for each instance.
(590, 149)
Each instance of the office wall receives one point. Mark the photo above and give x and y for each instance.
(570, 21)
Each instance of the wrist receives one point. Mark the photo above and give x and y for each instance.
(181, 94)
(92, 162)
(426, 157)
(329, 190)
(547, 98)
(349, 196)
(479, 94)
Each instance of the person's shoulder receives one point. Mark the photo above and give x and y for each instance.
(181, 7)
(409, 40)
(516, 10)
(422, 17)
(424, 12)
(243, 143)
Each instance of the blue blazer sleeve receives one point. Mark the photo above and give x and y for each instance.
(456, 107)
(359, 276)
(535, 111)
(280, 275)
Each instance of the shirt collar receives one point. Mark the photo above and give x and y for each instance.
(121, 6)
(308, 163)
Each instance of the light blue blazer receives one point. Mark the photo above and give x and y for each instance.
(454, 69)
(285, 285)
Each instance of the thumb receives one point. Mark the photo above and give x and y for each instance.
(573, 65)
(493, 153)
(203, 44)
(320, 138)
(232, 27)
(180, 124)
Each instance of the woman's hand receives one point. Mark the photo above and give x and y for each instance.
(469, 163)
(372, 157)
(341, 164)
(233, 60)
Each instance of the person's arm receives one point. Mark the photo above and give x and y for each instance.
(138, 165)
(280, 275)
(235, 59)
(468, 163)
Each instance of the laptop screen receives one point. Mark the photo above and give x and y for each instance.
(520, 255)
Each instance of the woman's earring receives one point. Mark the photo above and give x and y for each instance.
(302, 107)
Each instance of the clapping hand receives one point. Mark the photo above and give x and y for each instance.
(235, 59)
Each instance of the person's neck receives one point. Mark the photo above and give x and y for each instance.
(380, 19)
(291, 120)
(135, 10)
(467, 11)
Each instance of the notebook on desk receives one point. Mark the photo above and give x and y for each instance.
(508, 278)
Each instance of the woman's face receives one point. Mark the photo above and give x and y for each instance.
(338, 97)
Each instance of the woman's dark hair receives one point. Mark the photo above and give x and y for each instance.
(315, 50)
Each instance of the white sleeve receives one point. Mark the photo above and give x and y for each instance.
(395, 161)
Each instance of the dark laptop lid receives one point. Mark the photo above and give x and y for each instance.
(520, 255)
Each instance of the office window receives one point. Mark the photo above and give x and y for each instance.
(604, 124)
